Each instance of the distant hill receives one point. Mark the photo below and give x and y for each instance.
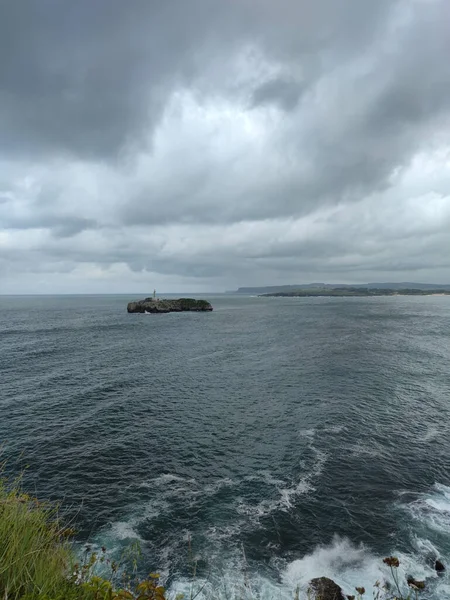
(325, 286)
(408, 285)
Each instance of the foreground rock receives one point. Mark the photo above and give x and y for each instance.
(323, 588)
(151, 305)
(439, 566)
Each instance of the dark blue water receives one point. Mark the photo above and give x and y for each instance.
(278, 438)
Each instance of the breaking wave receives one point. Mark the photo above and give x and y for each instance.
(425, 525)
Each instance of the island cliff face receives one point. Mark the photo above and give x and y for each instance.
(152, 305)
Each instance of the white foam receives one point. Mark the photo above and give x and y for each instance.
(439, 504)
(212, 488)
(317, 469)
(361, 449)
(233, 583)
(172, 485)
(265, 477)
(124, 530)
(288, 494)
(307, 433)
(310, 433)
(430, 532)
(335, 429)
(220, 533)
(431, 434)
(348, 565)
(442, 591)
(433, 509)
(424, 546)
(166, 478)
(154, 509)
(283, 502)
(352, 566)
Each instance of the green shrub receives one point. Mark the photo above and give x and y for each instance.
(191, 303)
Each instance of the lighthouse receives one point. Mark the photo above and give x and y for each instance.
(154, 295)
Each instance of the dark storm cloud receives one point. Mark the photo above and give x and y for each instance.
(84, 77)
(202, 138)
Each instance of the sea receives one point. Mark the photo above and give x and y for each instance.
(242, 452)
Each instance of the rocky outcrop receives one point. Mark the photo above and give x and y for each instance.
(152, 305)
(439, 566)
(323, 588)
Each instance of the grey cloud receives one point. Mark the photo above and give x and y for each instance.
(282, 92)
(344, 138)
(86, 78)
(62, 225)
(71, 227)
(83, 78)
(91, 111)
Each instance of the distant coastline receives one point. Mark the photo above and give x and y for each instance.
(356, 292)
(406, 288)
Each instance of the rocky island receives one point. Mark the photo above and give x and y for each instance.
(155, 305)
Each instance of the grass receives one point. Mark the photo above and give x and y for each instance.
(38, 562)
(34, 552)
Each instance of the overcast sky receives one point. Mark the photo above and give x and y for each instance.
(199, 145)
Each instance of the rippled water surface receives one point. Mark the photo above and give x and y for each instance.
(285, 437)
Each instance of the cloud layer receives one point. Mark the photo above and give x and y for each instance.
(205, 145)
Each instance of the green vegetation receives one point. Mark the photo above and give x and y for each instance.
(356, 291)
(34, 555)
(151, 305)
(191, 303)
(38, 562)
